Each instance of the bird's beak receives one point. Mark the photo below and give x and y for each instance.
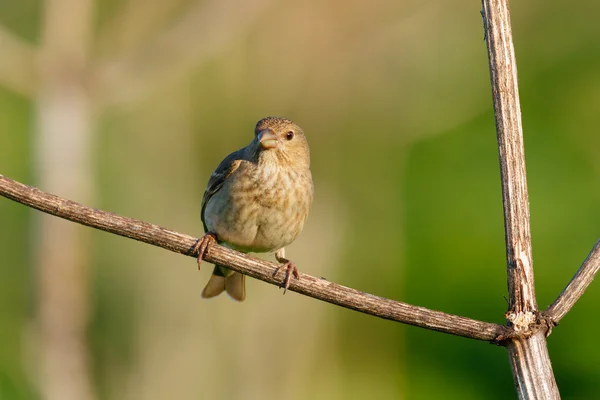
(267, 139)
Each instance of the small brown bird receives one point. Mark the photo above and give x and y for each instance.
(257, 200)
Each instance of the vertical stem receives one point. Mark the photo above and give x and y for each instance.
(530, 362)
(63, 165)
(507, 110)
(532, 369)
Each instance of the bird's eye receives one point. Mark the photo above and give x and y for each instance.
(289, 135)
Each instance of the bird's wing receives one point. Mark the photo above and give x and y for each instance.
(217, 179)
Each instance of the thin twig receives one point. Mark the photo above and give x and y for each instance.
(576, 287)
(530, 363)
(308, 285)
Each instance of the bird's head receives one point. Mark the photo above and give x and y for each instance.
(279, 139)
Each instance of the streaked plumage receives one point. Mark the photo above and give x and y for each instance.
(257, 200)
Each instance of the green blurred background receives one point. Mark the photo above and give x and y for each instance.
(395, 100)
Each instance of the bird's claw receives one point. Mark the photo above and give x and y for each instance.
(202, 245)
(290, 270)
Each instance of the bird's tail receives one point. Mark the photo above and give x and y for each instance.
(224, 279)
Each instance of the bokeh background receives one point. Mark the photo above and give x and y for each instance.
(129, 105)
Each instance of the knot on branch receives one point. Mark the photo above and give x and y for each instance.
(521, 321)
(522, 325)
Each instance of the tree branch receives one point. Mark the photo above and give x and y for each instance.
(320, 289)
(574, 290)
(530, 362)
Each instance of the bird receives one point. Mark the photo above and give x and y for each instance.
(257, 200)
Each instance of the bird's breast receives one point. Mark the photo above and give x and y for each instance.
(260, 209)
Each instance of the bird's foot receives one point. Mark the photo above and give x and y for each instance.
(202, 245)
(290, 270)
